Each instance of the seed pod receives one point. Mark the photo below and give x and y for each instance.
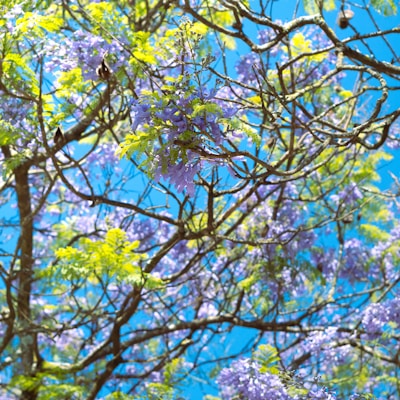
(58, 136)
(265, 230)
(348, 219)
(103, 70)
(344, 17)
(93, 204)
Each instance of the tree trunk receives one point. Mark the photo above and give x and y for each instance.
(26, 335)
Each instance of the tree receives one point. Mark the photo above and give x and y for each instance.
(164, 197)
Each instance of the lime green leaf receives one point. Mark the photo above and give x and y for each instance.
(301, 46)
(346, 93)
(15, 63)
(61, 391)
(146, 57)
(119, 396)
(199, 28)
(114, 256)
(267, 356)
(69, 81)
(385, 7)
(160, 391)
(201, 109)
(255, 99)
(17, 159)
(32, 22)
(247, 283)
(134, 143)
(98, 10)
(8, 134)
(312, 6)
(373, 233)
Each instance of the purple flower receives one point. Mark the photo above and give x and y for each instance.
(246, 65)
(141, 114)
(180, 175)
(244, 379)
(378, 315)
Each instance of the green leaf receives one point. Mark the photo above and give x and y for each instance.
(69, 81)
(201, 109)
(160, 391)
(61, 391)
(8, 134)
(34, 23)
(385, 7)
(15, 64)
(247, 283)
(143, 50)
(16, 160)
(267, 356)
(98, 10)
(146, 57)
(119, 396)
(373, 233)
(172, 369)
(134, 143)
(113, 256)
(312, 6)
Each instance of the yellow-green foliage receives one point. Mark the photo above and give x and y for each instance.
(134, 143)
(143, 49)
(113, 256)
(36, 24)
(386, 7)
(8, 134)
(119, 396)
(300, 45)
(313, 6)
(373, 233)
(366, 165)
(247, 283)
(48, 391)
(267, 356)
(166, 389)
(15, 67)
(99, 11)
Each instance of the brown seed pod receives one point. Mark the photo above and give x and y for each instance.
(348, 219)
(58, 137)
(271, 142)
(344, 17)
(103, 70)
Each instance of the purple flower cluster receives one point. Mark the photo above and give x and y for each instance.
(182, 130)
(14, 113)
(378, 316)
(278, 260)
(317, 340)
(180, 175)
(355, 263)
(11, 16)
(244, 379)
(84, 50)
(103, 164)
(348, 196)
(322, 345)
(247, 66)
